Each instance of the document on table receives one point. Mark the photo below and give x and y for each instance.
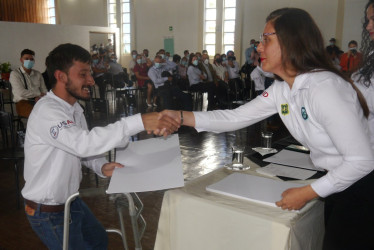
(152, 164)
(293, 159)
(285, 171)
(253, 188)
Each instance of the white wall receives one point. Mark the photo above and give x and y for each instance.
(41, 38)
(82, 12)
(153, 19)
(323, 12)
(353, 19)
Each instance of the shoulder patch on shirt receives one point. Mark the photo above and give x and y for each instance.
(54, 132)
(304, 114)
(265, 94)
(284, 108)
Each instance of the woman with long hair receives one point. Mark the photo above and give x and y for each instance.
(324, 112)
(364, 78)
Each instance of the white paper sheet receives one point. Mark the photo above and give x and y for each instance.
(293, 159)
(285, 171)
(151, 164)
(254, 188)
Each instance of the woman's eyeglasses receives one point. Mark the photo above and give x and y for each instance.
(264, 35)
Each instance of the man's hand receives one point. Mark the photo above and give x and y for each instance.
(159, 124)
(107, 168)
(296, 198)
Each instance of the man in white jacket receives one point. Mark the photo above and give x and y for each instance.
(58, 142)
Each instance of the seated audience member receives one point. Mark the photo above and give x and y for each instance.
(235, 83)
(198, 56)
(100, 67)
(114, 67)
(334, 57)
(222, 79)
(109, 45)
(119, 77)
(164, 88)
(182, 73)
(132, 64)
(333, 46)
(169, 65)
(58, 142)
(27, 84)
(198, 81)
(351, 60)
(186, 54)
(204, 52)
(141, 73)
(145, 53)
(258, 76)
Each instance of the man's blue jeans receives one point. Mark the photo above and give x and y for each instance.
(85, 232)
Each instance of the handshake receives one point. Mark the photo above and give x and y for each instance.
(167, 121)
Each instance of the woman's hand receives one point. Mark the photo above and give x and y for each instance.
(296, 198)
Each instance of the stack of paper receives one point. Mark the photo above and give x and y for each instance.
(152, 164)
(293, 159)
(254, 188)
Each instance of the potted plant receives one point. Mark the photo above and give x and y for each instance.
(5, 71)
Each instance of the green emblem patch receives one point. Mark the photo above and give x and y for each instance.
(284, 108)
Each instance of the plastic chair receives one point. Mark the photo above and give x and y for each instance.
(11, 151)
(121, 201)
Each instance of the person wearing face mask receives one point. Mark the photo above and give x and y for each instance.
(116, 77)
(27, 84)
(162, 80)
(199, 81)
(182, 73)
(100, 68)
(351, 60)
(186, 54)
(332, 45)
(132, 64)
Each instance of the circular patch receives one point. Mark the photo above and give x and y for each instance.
(304, 114)
(54, 132)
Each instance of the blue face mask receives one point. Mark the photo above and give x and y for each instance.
(134, 56)
(195, 62)
(28, 64)
(139, 61)
(166, 58)
(162, 56)
(95, 61)
(157, 65)
(114, 60)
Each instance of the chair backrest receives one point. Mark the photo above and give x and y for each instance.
(7, 129)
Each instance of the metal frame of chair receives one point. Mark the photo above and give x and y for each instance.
(130, 200)
(10, 150)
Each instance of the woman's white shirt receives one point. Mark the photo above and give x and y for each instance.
(323, 113)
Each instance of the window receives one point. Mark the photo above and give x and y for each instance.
(51, 11)
(210, 26)
(229, 9)
(126, 26)
(219, 25)
(122, 21)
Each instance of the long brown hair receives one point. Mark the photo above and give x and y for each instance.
(302, 45)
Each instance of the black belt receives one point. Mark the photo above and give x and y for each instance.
(45, 208)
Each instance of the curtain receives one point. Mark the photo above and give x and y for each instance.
(29, 11)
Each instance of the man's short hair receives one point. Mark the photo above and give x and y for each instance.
(332, 40)
(27, 52)
(176, 58)
(352, 42)
(62, 58)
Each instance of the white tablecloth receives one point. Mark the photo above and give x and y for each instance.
(193, 218)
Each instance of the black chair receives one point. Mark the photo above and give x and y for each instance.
(11, 151)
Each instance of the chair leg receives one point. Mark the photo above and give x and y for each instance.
(16, 171)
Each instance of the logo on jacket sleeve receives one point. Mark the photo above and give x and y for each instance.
(284, 109)
(304, 114)
(54, 132)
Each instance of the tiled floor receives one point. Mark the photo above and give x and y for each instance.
(201, 153)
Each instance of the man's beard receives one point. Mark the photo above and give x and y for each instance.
(74, 93)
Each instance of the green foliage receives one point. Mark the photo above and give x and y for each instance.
(5, 67)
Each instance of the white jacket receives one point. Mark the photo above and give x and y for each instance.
(58, 142)
(323, 113)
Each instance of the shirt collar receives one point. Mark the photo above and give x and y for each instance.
(24, 72)
(69, 108)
